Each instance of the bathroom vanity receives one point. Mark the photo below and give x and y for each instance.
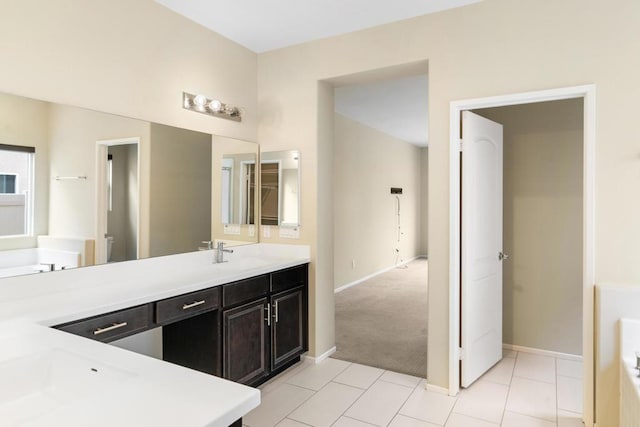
(244, 320)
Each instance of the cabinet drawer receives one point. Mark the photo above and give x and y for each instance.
(112, 326)
(289, 278)
(183, 306)
(245, 290)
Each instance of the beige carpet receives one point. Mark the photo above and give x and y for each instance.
(383, 322)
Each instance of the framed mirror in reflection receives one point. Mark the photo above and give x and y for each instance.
(235, 210)
(80, 187)
(279, 188)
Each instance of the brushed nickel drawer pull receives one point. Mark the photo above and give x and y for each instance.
(109, 328)
(193, 304)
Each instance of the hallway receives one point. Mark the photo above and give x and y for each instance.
(382, 322)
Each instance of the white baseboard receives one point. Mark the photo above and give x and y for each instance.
(540, 352)
(322, 357)
(437, 389)
(377, 273)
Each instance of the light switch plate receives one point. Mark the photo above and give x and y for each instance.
(290, 232)
(252, 230)
(266, 231)
(232, 229)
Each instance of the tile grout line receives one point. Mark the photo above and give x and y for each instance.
(314, 393)
(374, 381)
(295, 421)
(452, 407)
(317, 391)
(508, 390)
(293, 410)
(404, 403)
(367, 389)
(409, 416)
(391, 382)
(513, 371)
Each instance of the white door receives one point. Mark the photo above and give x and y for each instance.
(481, 231)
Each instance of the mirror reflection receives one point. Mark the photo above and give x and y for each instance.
(234, 163)
(80, 187)
(279, 188)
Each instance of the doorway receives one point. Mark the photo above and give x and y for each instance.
(118, 223)
(380, 157)
(587, 94)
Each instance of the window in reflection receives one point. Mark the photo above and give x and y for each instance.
(16, 190)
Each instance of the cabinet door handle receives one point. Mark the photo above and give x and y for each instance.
(268, 319)
(193, 304)
(275, 314)
(109, 328)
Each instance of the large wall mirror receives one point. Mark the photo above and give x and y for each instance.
(279, 188)
(80, 187)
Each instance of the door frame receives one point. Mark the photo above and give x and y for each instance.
(588, 94)
(102, 148)
(244, 215)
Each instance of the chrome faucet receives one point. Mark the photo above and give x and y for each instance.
(220, 250)
(47, 267)
(209, 246)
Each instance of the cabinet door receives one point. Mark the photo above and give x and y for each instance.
(288, 326)
(246, 342)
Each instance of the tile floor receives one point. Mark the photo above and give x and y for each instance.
(523, 390)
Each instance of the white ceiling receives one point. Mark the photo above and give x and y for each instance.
(263, 25)
(395, 107)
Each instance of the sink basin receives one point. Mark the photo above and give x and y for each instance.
(242, 263)
(37, 384)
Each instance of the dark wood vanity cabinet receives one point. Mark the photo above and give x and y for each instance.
(111, 326)
(191, 330)
(246, 342)
(262, 336)
(246, 331)
(288, 330)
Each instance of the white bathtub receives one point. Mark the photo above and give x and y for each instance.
(35, 260)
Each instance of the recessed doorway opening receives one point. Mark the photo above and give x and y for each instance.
(380, 156)
(118, 206)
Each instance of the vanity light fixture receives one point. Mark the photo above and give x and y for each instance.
(212, 107)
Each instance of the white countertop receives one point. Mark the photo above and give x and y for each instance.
(149, 391)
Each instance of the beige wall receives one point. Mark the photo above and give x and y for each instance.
(129, 58)
(25, 121)
(180, 189)
(367, 163)
(542, 281)
(73, 203)
(133, 58)
(489, 48)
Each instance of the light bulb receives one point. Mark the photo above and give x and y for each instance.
(200, 100)
(215, 105)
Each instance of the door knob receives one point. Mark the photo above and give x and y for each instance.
(502, 256)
